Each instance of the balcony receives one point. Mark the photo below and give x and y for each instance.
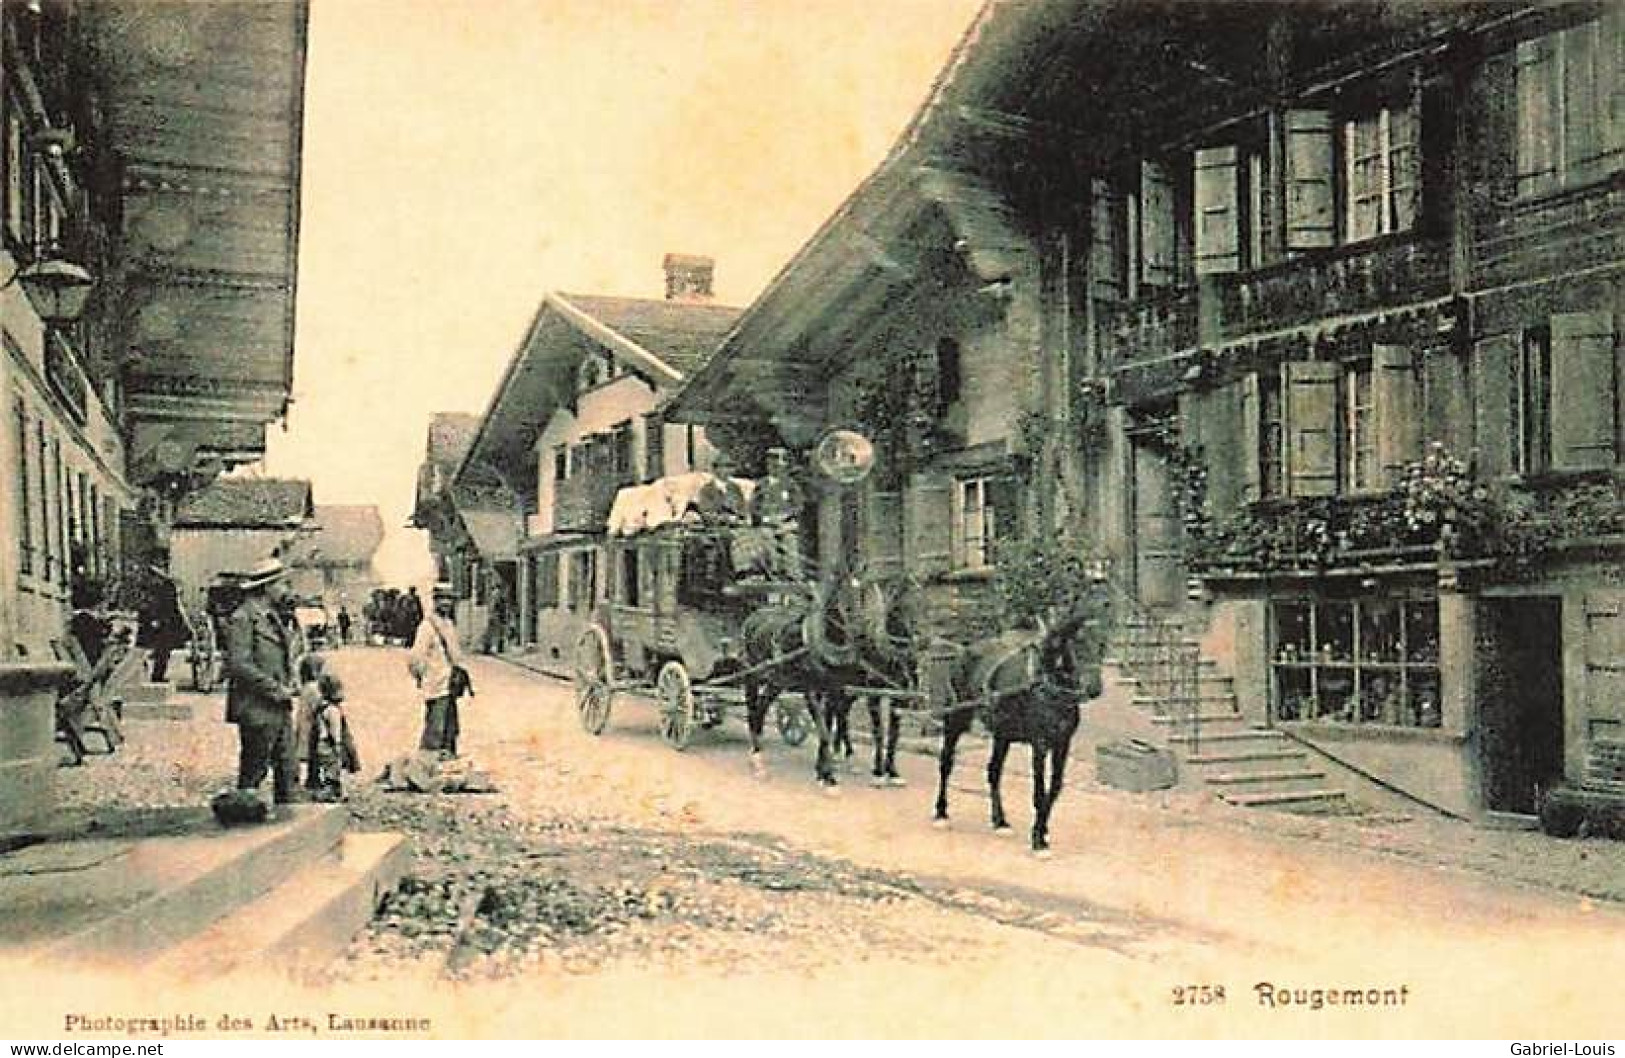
(1149, 328)
(1367, 276)
(581, 503)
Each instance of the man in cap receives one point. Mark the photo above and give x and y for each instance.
(776, 507)
(260, 657)
(436, 656)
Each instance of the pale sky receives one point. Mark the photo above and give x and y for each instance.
(462, 158)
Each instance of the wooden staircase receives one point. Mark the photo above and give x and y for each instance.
(1186, 695)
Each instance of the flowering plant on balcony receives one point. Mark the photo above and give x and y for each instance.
(1443, 500)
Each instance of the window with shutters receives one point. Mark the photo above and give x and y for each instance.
(1157, 237)
(1381, 173)
(561, 462)
(621, 447)
(1217, 212)
(1566, 395)
(1570, 112)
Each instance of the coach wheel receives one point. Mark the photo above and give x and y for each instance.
(676, 693)
(594, 684)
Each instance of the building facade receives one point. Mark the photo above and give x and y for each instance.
(1306, 324)
(233, 525)
(148, 255)
(333, 562)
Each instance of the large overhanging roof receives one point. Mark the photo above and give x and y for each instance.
(204, 104)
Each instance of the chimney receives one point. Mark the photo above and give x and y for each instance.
(688, 277)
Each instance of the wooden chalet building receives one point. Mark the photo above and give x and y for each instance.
(574, 419)
(148, 257)
(1302, 315)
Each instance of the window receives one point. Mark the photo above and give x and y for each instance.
(621, 444)
(631, 574)
(547, 581)
(1532, 405)
(561, 463)
(1366, 660)
(16, 176)
(984, 512)
(948, 372)
(1359, 443)
(1271, 437)
(1381, 167)
(690, 450)
(25, 509)
(583, 585)
(590, 373)
(1571, 118)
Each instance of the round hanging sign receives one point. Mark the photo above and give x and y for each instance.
(844, 456)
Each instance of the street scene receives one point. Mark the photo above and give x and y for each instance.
(929, 518)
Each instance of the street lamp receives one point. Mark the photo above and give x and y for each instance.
(57, 288)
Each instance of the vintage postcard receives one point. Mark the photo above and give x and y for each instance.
(812, 518)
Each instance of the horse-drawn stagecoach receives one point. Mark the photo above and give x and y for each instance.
(707, 610)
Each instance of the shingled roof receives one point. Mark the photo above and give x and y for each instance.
(346, 535)
(247, 503)
(450, 434)
(681, 333)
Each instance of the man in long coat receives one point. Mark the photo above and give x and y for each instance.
(261, 652)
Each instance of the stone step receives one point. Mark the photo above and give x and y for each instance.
(1218, 719)
(169, 711)
(1321, 799)
(1260, 734)
(1150, 701)
(1254, 778)
(305, 922)
(150, 894)
(1281, 756)
(146, 692)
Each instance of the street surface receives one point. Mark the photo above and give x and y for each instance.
(615, 886)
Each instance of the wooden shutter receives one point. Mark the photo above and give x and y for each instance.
(1582, 145)
(1218, 416)
(1398, 419)
(883, 532)
(1447, 410)
(1309, 398)
(1310, 219)
(1583, 391)
(928, 522)
(1158, 236)
(1538, 114)
(1605, 657)
(1218, 244)
(1249, 458)
(1107, 261)
(1493, 395)
(1004, 496)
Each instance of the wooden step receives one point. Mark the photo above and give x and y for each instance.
(1147, 701)
(1245, 757)
(1215, 718)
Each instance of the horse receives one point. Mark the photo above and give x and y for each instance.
(808, 645)
(889, 656)
(1025, 686)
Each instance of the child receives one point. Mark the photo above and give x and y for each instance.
(312, 667)
(332, 750)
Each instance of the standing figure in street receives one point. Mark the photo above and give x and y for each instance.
(408, 615)
(344, 625)
(436, 656)
(332, 750)
(260, 658)
(163, 625)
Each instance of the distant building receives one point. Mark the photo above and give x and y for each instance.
(233, 524)
(334, 562)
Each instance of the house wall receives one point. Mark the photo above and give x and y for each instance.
(34, 602)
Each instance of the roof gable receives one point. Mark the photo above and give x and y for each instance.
(247, 503)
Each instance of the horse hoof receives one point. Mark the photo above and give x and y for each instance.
(1002, 830)
(831, 790)
(877, 781)
(1043, 854)
(940, 824)
(896, 781)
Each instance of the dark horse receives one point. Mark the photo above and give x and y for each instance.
(1026, 687)
(811, 645)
